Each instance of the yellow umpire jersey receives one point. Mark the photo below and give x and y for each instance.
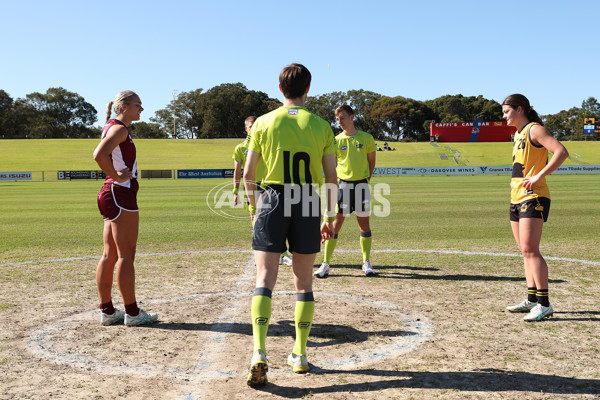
(351, 153)
(240, 153)
(528, 160)
(292, 142)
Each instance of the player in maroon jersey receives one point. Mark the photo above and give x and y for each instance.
(117, 201)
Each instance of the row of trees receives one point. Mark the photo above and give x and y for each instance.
(220, 112)
(401, 118)
(57, 113)
(217, 113)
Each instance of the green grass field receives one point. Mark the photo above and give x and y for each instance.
(445, 252)
(443, 210)
(76, 154)
(42, 220)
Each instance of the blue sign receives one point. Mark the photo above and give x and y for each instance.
(591, 125)
(200, 173)
(476, 129)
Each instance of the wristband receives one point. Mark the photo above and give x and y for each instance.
(330, 214)
(329, 219)
(235, 191)
(252, 209)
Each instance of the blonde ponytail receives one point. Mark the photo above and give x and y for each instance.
(108, 111)
(117, 104)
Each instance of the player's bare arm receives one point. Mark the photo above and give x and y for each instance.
(371, 158)
(116, 135)
(237, 175)
(540, 136)
(329, 164)
(250, 179)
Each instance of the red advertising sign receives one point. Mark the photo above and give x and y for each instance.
(494, 131)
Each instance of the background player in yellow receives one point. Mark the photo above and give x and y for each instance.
(530, 198)
(297, 147)
(239, 160)
(355, 154)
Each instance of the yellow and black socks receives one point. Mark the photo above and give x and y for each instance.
(329, 248)
(542, 297)
(365, 245)
(261, 314)
(531, 294)
(305, 310)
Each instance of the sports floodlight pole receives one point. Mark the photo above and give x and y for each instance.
(174, 116)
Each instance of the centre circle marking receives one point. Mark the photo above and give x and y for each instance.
(40, 342)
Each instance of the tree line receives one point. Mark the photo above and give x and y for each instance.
(220, 113)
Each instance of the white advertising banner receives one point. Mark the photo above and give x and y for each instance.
(578, 169)
(491, 170)
(390, 171)
(15, 176)
(495, 170)
(563, 169)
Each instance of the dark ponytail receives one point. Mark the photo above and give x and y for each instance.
(516, 100)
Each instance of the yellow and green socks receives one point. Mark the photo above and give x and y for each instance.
(365, 245)
(305, 310)
(261, 314)
(329, 248)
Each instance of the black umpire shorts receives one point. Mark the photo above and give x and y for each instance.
(290, 213)
(354, 196)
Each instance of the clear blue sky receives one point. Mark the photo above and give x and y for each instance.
(548, 50)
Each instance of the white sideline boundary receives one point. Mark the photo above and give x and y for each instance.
(173, 253)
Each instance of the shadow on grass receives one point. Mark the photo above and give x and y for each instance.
(411, 275)
(381, 267)
(330, 333)
(565, 316)
(486, 380)
(395, 267)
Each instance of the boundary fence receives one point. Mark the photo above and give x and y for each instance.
(51, 176)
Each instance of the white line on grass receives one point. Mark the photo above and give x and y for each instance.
(416, 330)
(462, 252)
(172, 253)
(474, 253)
(207, 366)
(40, 341)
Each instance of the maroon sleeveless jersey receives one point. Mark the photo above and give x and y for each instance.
(123, 156)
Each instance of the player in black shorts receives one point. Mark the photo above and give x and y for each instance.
(530, 198)
(355, 155)
(296, 146)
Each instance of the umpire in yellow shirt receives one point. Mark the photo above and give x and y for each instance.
(355, 153)
(297, 148)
